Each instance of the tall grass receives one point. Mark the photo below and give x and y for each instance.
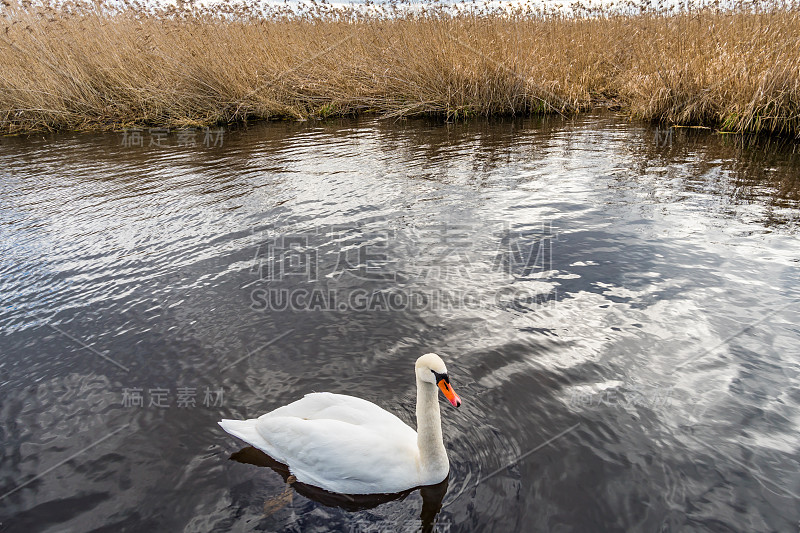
(97, 65)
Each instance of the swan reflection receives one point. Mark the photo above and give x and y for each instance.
(432, 495)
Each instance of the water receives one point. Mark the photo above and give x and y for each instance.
(589, 283)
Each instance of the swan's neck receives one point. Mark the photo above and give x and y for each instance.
(432, 454)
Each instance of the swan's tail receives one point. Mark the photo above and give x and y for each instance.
(245, 430)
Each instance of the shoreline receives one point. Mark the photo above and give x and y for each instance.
(594, 112)
(82, 66)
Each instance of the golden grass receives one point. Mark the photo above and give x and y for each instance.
(81, 65)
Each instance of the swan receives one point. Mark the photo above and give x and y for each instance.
(347, 445)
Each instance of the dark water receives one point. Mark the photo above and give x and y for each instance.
(590, 285)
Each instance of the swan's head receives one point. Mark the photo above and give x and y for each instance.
(430, 369)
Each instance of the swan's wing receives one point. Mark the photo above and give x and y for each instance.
(343, 457)
(329, 406)
(340, 443)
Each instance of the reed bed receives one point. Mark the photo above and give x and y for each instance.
(100, 65)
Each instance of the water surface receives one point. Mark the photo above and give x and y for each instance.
(625, 294)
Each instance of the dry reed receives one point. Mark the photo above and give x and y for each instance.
(96, 65)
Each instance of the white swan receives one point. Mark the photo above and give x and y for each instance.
(348, 445)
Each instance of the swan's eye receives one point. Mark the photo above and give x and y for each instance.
(439, 377)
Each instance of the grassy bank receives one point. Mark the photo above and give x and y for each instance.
(94, 66)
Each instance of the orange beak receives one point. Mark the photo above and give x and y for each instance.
(449, 393)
